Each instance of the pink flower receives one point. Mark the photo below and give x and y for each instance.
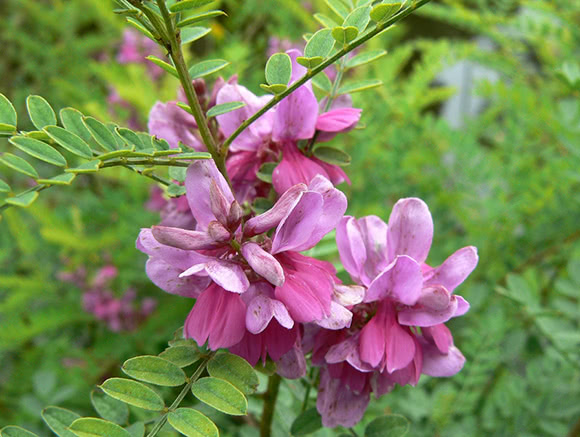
(135, 48)
(384, 346)
(263, 277)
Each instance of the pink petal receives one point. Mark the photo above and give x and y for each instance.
(410, 230)
(166, 277)
(337, 404)
(333, 210)
(262, 309)
(374, 234)
(183, 239)
(259, 132)
(462, 306)
(421, 315)
(295, 168)
(339, 318)
(373, 340)
(400, 346)
(348, 295)
(401, 280)
(440, 336)
(304, 302)
(178, 258)
(337, 120)
(200, 176)
(455, 269)
(227, 275)
(295, 116)
(170, 122)
(272, 218)
(442, 365)
(297, 70)
(207, 321)
(295, 230)
(292, 365)
(263, 263)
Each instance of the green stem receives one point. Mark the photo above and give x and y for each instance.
(311, 381)
(311, 73)
(163, 419)
(269, 405)
(174, 49)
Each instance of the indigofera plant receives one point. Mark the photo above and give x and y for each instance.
(255, 187)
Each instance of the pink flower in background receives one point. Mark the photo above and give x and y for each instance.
(384, 346)
(262, 281)
(119, 314)
(135, 48)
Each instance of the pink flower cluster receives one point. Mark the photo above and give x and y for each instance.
(119, 314)
(259, 296)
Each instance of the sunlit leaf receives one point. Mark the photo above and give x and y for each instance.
(338, 7)
(58, 420)
(206, 68)
(359, 18)
(18, 164)
(164, 65)
(100, 133)
(93, 427)
(279, 69)
(154, 370)
(344, 35)
(69, 141)
(109, 408)
(7, 112)
(382, 12)
(133, 393)
(235, 370)
(220, 395)
(191, 34)
(192, 423)
(224, 108)
(189, 4)
(325, 21)
(39, 150)
(320, 44)
(40, 112)
(23, 200)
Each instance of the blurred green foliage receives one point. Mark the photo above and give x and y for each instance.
(506, 181)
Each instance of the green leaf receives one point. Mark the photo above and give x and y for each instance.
(325, 21)
(308, 422)
(344, 35)
(206, 68)
(37, 135)
(185, 107)
(93, 427)
(7, 128)
(362, 85)
(384, 11)
(72, 120)
(58, 420)
(61, 179)
(332, 155)
(191, 34)
(235, 370)
(220, 395)
(7, 112)
(274, 89)
(178, 174)
(279, 69)
(320, 44)
(15, 431)
(193, 155)
(365, 58)
(200, 17)
(4, 187)
(224, 108)
(18, 164)
(189, 4)
(130, 137)
(114, 154)
(338, 7)
(40, 112)
(265, 171)
(393, 425)
(322, 82)
(192, 423)
(175, 190)
(133, 393)
(100, 133)
(109, 408)
(182, 356)
(359, 18)
(160, 63)
(154, 370)
(119, 140)
(310, 63)
(39, 150)
(69, 141)
(137, 25)
(87, 167)
(136, 430)
(162, 145)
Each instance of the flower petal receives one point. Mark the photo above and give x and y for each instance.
(295, 230)
(348, 295)
(183, 238)
(228, 275)
(263, 263)
(272, 218)
(401, 280)
(410, 230)
(339, 318)
(441, 365)
(170, 122)
(167, 277)
(292, 365)
(454, 269)
(200, 176)
(334, 207)
(295, 116)
(337, 120)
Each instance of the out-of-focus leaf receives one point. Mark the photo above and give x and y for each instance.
(200, 17)
(109, 408)
(191, 34)
(393, 425)
(224, 108)
(58, 420)
(320, 44)
(206, 68)
(306, 423)
(164, 65)
(7, 112)
(18, 164)
(358, 86)
(365, 58)
(93, 427)
(15, 431)
(189, 4)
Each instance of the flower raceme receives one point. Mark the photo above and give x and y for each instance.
(398, 330)
(252, 288)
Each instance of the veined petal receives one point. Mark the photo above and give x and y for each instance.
(401, 280)
(295, 116)
(272, 218)
(167, 277)
(373, 340)
(400, 346)
(339, 317)
(200, 176)
(410, 230)
(183, 238)
(227, 275)
(454, 269)
(263, 263)
(295, 230)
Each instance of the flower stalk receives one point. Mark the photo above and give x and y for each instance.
(269, 405)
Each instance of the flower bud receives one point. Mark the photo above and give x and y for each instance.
(235, 216)
(183, 238)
